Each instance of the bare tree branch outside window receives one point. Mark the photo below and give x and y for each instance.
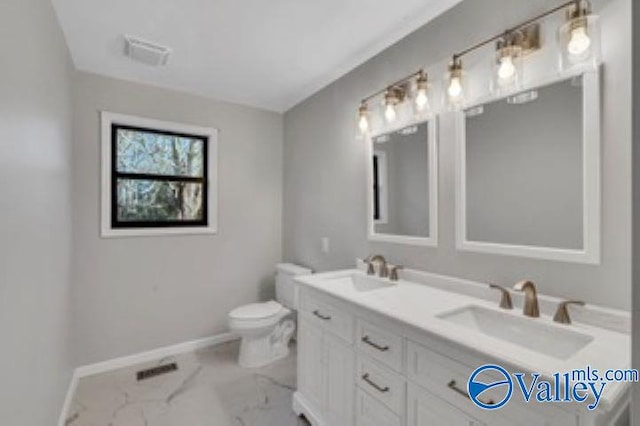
(159, 179)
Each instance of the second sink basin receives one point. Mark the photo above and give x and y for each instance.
(522, 331)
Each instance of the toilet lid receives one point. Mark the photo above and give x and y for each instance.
(256, 311)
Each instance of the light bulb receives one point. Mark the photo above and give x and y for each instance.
(507, 69)
(580, 41)
(363, 124)
(363, 121)
(421, 99)
(390, 112)
(455, 87)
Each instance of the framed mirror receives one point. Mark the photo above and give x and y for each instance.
(403, 185)
(528, 173)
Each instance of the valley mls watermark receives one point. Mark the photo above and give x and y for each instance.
(581, 385)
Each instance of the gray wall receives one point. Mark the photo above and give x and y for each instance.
(136, 294)
(325, 174)
(524, 171)
(35, 230)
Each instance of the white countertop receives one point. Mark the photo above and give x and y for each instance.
(419, 305)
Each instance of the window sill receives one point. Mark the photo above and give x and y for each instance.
(156, 232)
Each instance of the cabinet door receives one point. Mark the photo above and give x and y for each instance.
(311, 368)
(339, 363)
(371, 412)
(426, 409)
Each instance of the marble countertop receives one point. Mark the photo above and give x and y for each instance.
(420, 304)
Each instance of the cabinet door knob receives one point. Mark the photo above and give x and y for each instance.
(368, 341)
(322, 317)
(374, 385)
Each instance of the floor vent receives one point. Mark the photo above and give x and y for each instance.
(156, 371)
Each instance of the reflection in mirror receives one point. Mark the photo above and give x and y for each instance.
(530, 173)
(401, 193)
(524, 169)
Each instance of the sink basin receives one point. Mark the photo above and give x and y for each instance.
(529, 333)
(361, 283)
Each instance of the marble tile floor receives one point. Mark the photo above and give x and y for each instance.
(209, 389)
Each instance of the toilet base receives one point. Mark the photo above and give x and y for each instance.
(259, 351)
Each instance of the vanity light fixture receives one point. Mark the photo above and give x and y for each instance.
(394, 95)
(579, 39)
(580, 36)
(383, 139)
(523, 98)
(475, 111)
(508, 62)
(421, 99)
(363, 118)
(392, 98)
(408, 131)
(455, 84)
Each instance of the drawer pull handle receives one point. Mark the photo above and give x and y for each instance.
(322, 317)
(452, 385)
(374, 385)
(366, 340)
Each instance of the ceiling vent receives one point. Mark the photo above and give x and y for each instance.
(146, 52)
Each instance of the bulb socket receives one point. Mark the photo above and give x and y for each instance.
(422, 81)
(581, 9)
(363, 110)
(393, 96)
(455, 67)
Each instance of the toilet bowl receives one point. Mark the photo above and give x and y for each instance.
(266, 328)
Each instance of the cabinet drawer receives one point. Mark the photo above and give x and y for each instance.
(333, 317)
(370, 412)
(437, 373)
(448, 379)
(381, 344)
(425, 409)
(382, 384)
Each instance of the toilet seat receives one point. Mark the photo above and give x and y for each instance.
(257, 315)
(256, 311)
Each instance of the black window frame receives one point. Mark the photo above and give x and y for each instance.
(115, 175)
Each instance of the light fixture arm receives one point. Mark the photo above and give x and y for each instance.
(458, 55)
(398, 84)
(517, 27)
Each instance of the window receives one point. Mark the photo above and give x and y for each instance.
(157, 177)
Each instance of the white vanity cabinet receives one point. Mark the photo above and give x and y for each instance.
(326, 361)
(357, 367)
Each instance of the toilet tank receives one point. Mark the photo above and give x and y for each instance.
(286, 289)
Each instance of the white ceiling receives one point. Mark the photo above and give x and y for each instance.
(267, 54)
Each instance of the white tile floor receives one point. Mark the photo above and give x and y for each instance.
(209, 389)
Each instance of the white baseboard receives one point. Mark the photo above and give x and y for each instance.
(143, 357)
(302, 407)
(127, 361)
(68, 399)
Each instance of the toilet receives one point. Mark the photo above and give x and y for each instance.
(266, 328)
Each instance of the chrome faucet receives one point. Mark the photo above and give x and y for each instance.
(383, 271)
(530, 308)
(505, 300)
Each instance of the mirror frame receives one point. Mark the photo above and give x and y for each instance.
(591, 178)
(432, 163)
